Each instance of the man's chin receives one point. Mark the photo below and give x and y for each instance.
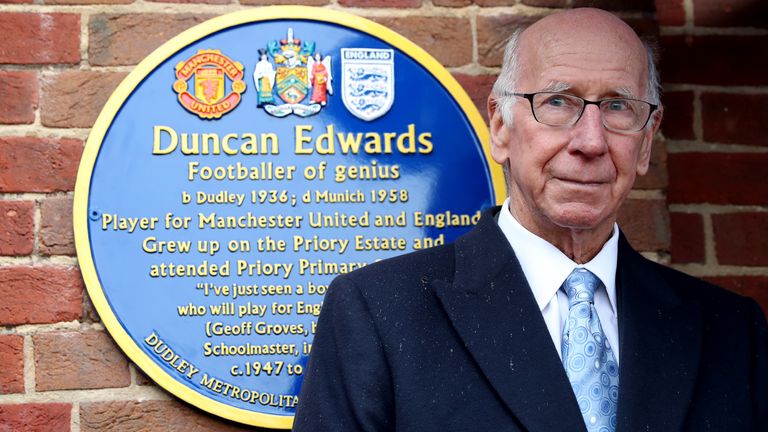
(582, 217)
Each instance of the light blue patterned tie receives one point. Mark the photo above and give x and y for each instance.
(587, 355)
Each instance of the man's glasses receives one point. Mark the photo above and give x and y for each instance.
(560, 109)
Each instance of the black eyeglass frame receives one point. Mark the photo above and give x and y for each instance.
(530, 97)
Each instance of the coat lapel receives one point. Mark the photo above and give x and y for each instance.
(660, 343)
(496, 315)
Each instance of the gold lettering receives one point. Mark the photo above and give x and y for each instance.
(301, 139)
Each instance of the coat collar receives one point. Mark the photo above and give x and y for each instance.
(496, 315)
(493, 309)
(660, 344)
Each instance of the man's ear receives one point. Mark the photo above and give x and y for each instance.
(498, 131)
(644, 157)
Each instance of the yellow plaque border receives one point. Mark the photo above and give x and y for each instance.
(126, 88)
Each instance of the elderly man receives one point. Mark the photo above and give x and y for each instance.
(543, 318)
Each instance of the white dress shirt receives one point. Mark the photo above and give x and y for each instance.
(546, 268)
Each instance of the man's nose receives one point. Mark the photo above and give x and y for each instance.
(589, 134)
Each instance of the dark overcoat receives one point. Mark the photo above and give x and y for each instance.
(452, 339)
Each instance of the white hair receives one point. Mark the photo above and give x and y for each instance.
(507, 80)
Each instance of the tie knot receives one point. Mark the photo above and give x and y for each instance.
(580, 286)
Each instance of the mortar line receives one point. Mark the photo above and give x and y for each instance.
(710, 246)
(473, 38)
(717, 208)
(36, 222)
(692, 146)
(74, 421)
(29, 366)
(689, 14)
(698, 126)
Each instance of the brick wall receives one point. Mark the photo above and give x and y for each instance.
(716, 85)
(60, 59)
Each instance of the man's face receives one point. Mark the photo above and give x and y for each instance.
(574, 177)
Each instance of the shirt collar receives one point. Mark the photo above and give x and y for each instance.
(546, 267)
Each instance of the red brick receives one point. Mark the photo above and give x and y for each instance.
(40, 294)
(381, 3)
(617, 5)
(126, 39)
(17, 227)
(73, 99)
(12, 361)
(646, 224)
(29, 164)
(35, 417)
(678, 115)
(670, 12)
(15, 1)
(449, 40)
(741, 238)
(730, 13)
(56, 234)
(718, 178)
(546, 3)
(86, 2)
(714, 60)
(656, 177)
(33, 38)
(478, 87)
(687, 238)
(18, 97)
(285, 2)
(487, 3)
(150, 416)
(78, 360)
(750, 286)
(644, 26)
(452, 3)
(219, 2)
(735, 118)
(493, 32)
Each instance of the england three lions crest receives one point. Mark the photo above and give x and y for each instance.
(208, 73)
(301, 82)
(368, 81)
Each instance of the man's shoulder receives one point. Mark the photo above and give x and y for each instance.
(708, 295)
(391, 291)
(420, 268)
(407, 285)
(402, 271)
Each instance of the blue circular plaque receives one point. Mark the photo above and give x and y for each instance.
(243, 165)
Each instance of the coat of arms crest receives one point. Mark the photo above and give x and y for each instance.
(301, 82)
(368, 81)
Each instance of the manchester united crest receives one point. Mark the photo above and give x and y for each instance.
(209, 73)
(297, 80)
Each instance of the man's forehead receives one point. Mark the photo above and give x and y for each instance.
(585, 29)
(582, 47)
(582, 20)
